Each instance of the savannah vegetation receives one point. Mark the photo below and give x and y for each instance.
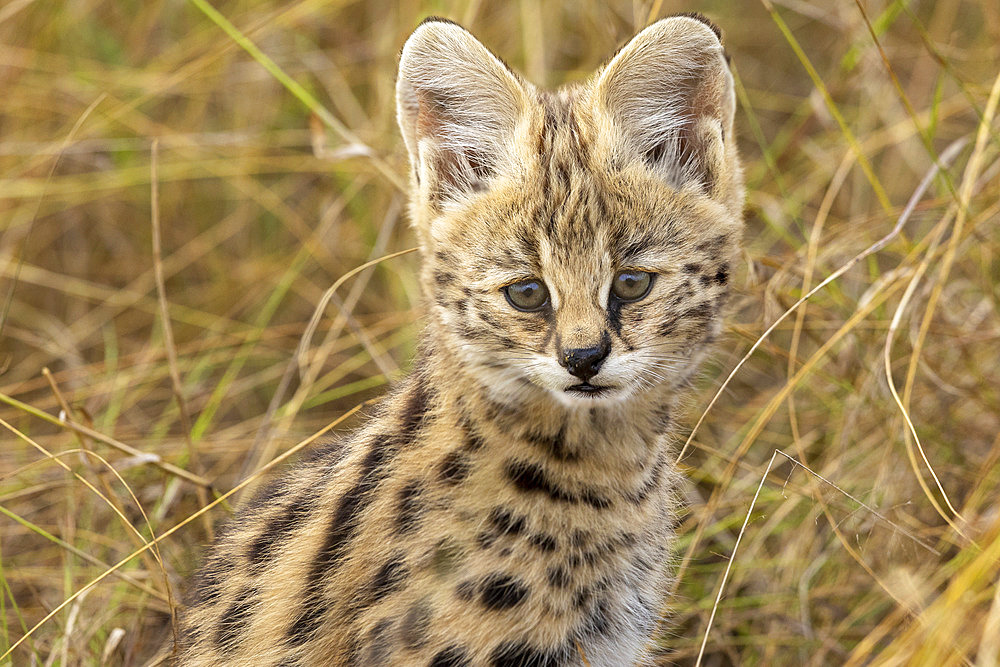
(181, 183)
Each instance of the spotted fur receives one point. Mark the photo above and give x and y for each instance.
(490, 514)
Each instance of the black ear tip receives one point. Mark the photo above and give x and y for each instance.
(437, 19)
(704, 19)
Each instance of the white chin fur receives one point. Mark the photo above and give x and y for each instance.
(584, 401)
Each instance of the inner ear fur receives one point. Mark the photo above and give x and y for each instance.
(670, 97)
(458, 107)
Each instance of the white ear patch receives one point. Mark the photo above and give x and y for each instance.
(670, 95)
(458, 107)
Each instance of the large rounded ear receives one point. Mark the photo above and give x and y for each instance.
(458, 107)
(669, 96)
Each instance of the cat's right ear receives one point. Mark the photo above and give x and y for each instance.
(458, 107)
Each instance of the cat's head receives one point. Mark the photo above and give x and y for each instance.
(576, 243)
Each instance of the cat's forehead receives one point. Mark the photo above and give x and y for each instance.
(570, 208)
(576, 198)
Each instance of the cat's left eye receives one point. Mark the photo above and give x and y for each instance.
(527, 295)
(631, 285)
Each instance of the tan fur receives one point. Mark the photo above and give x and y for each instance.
(488, 514)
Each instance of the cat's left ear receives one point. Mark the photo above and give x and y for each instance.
(670, 99)
(458, 107)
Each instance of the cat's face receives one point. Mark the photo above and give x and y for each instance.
(571, 246)
(588, 301)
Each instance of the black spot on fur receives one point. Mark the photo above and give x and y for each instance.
(484, 315)
(378, 647)
(712, 247)
(485, 539)
(692, 268)
(442, 279)
(472, 332)
(454, 468)
(473, 441)
(340, 531)
(558, 577)
(389, 578)
(668, 326)
(598, 623)
(261, 549)
(553, 445)
(453, 656)
(415, 625)
(581, 597)
(207, 584)
(701, 312)
(529, 477)
(233, 623)
(352, 652)
(627, 539)
(308, 622)
(327, 454)
(409, 509)
(506, 522)
(415, 410)
(501, 522)
(465, 590)
(638, 496)
(268, 494)
(520, 654)
(562, 174)
(351, 504)
(722, 275)
(543, 542)
(594, 499)
(502, 591)
(189, 636)
(499, 412)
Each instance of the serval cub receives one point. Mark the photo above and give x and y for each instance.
(510, 503)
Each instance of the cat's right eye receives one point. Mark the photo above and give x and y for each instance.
(527, 295)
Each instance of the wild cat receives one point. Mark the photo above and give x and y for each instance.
(511, 502)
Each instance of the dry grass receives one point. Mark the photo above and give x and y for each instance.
(892, 560)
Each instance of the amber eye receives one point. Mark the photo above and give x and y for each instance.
(527, 295)
(631, 285)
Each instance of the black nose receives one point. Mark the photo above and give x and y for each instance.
(585, 362)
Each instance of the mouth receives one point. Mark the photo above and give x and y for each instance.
(589, 390)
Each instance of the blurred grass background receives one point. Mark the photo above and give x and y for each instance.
(263, 203)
